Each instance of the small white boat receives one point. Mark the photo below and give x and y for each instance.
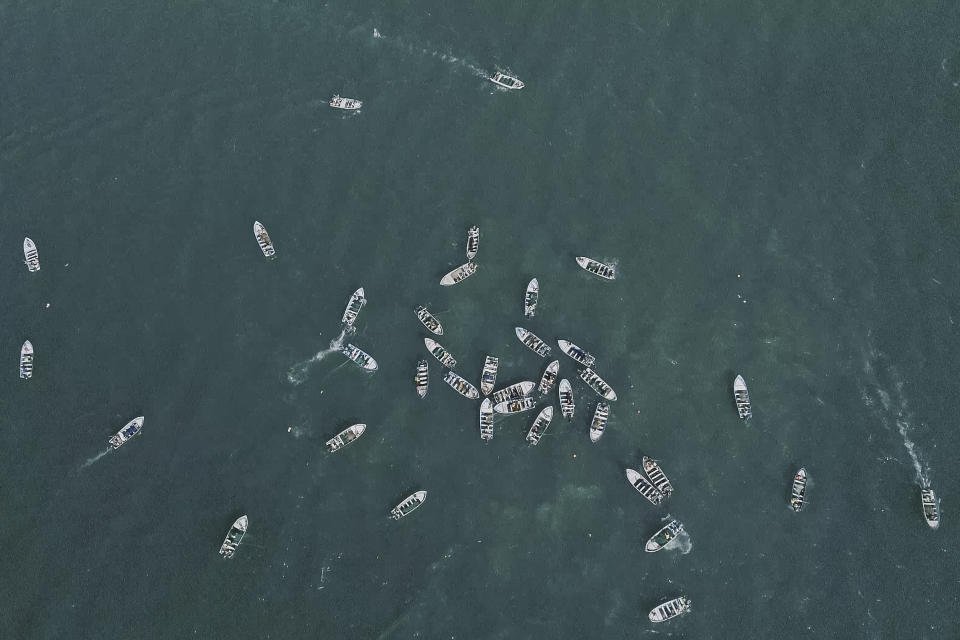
(473, 242)
(605, 271)
(488, 377)
(599, 422)
(515, 406)
(461, 386)
(345, 103)
(234, 536)
(30, 256)
(566, 399)
(540, 426)
(657, 476)
(360, 357)
(408, 505)
(129, 430)
(422, 378)
(345, 437)
(263, 239)
(431, 323)
(646, 489)
(530, 299)
(532, 342)
(663, 537)
(597, 383)
(486, 420)
(26, 360)
(670, 609)
(573, 351)
(548, 378)
(798, 490)
(440, 353)
(931, 507)
(505, 81)
(459, 274)
(742, 398)
(513, 392)
(357, 300)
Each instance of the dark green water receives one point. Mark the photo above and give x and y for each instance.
(776, 183)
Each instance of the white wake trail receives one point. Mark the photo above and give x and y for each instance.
(95, 458)
(399, 43)
(298, 373)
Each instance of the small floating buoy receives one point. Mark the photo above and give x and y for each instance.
(48, 306)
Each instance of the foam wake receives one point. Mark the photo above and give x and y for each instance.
(95, 458)
(416, 49)
(298, 373)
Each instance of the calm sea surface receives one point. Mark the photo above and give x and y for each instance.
(776, 183)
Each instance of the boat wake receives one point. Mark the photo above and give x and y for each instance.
(399, 43)
(95, 458)
(681, 543)
(298, 373)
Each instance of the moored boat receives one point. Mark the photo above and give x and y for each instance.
(599, 422)
(486, 420)
(350, 104)
(515, 406)
(422, 377)
(473, 242)
(459, 274)
(461, 386)
(798, 490)
(657, 476)
(670, 609)
(597, 383)
(505, 81)
(408, 505)
(548, 378)
(532, 342)
(440, 353)
(665, 536)
(263, 239)
(26, 360)
(359, 357)
(357, 300)
(345, 437)
(566, 399)
(540, 425)
(429, 321)
(931, 507)
(129, 430)
(234, 536)
(488, 376)
(530, 299)
(513, 392)
(646, 489)
(30, 256)
(605, 271)
(573, 351)
(742, 398)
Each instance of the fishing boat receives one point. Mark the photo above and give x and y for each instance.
(473, 242)
(539, 426)
(599, 422)
(357, 300)
(461, 386)
(26, 360)
(605, 271)
(345, 437)
(646, 489)
(597, 383)
(566, 399)
(798, 490)
(931, 507)
(670, 609)
(359, 356)
(548, 378)
(515, 406)
(263, 239)
(505, 81)
(408, 505)
(440, 353)
(349, 104)
(30, 256)
(422, 377)
(486, 420)
(129, 430)
(459, 274)
(534, 343)
(488, 377)
(664, 537)
(234, 536)
(742, 398)
(429, 321)
(513, 392)
(573, 351)
(657, 476)
(530, 299)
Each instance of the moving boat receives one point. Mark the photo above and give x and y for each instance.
(359, 356)
(459, 274)
(473, 242)
(488, 377)
(742, 398)
(540, 426)
(234, 536)
(597, 268)
(549, 377)
(515, 406)
(486, 419)
(505, 81)
(422, 377)
(931, 507)
(26, 360)
(357, 300)
(530, 299)
(664, 537)
(575, 352)
(643, 485)
(263, 239)
(798, 490)
(599, 422)
(429, 321)
(440, 353)
(596, 383)
(566, 399)
(513, 392)
(461, 386)
(657, 476)
(129, 430)
(30, 256)
(408, 505)
(345, 437)
(349, 104)
(534, 343)
(670, 609)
